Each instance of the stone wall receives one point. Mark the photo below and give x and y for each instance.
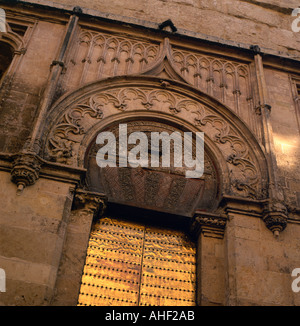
(266, 23)
(25, 83)
(246, 265)
(285, 123)
(32, 228)
(258, 266)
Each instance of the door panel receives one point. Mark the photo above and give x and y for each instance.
(168, 269)
(131, 264)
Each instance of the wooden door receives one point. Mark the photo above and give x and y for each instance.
(135, 265)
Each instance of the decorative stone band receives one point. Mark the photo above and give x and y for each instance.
(275, 216)
(208, 224)
(25, 171)
(90, 202)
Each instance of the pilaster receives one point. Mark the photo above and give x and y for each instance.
(209, 230)
(275, 211)
(87, 206)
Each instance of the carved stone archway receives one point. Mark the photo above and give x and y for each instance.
(161, 189)
(75, 120)
(233, 153)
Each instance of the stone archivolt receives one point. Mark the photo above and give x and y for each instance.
(81, 118)
(160, 91)
(99, 55)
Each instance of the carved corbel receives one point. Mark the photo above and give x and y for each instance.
(275, 216)
(259, 108)
(208, 224)
(90, 202)
(25, 171)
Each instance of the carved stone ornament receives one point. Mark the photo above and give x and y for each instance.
(90, 202)
(68, 132)
(159, 188)
(275, 216)
(208, 224)
(100, 55)
(25, 171)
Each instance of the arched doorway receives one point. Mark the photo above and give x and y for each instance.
(140, 252)
(235, 162)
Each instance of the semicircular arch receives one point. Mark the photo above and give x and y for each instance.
(74, 120)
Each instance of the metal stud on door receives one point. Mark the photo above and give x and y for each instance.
(132, 264)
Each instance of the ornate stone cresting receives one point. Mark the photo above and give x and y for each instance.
(275, 216)
(25, 171)
(209, 224)
(90, 202)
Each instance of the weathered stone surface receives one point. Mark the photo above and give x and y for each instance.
(72, 76)
(267, 23)
(32, 228)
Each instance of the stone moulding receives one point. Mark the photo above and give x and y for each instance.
(275, 214)
(74, 121)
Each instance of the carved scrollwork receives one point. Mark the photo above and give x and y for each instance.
(239, 157)
(61, 145)
(67, 135)
(208, 224)
(89, 202)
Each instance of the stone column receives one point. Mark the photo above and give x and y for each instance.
(87, 206)
(275, 212)
(209, 231)
(27, 164)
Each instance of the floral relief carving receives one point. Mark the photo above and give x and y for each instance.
(142, 98)
(61, 142)
(221, 132)
(66, 136)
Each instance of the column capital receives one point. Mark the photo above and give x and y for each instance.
(90, 202)
(208, 224)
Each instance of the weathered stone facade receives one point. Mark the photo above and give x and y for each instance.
(228, 68)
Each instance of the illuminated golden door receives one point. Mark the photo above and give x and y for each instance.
(134, 265)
